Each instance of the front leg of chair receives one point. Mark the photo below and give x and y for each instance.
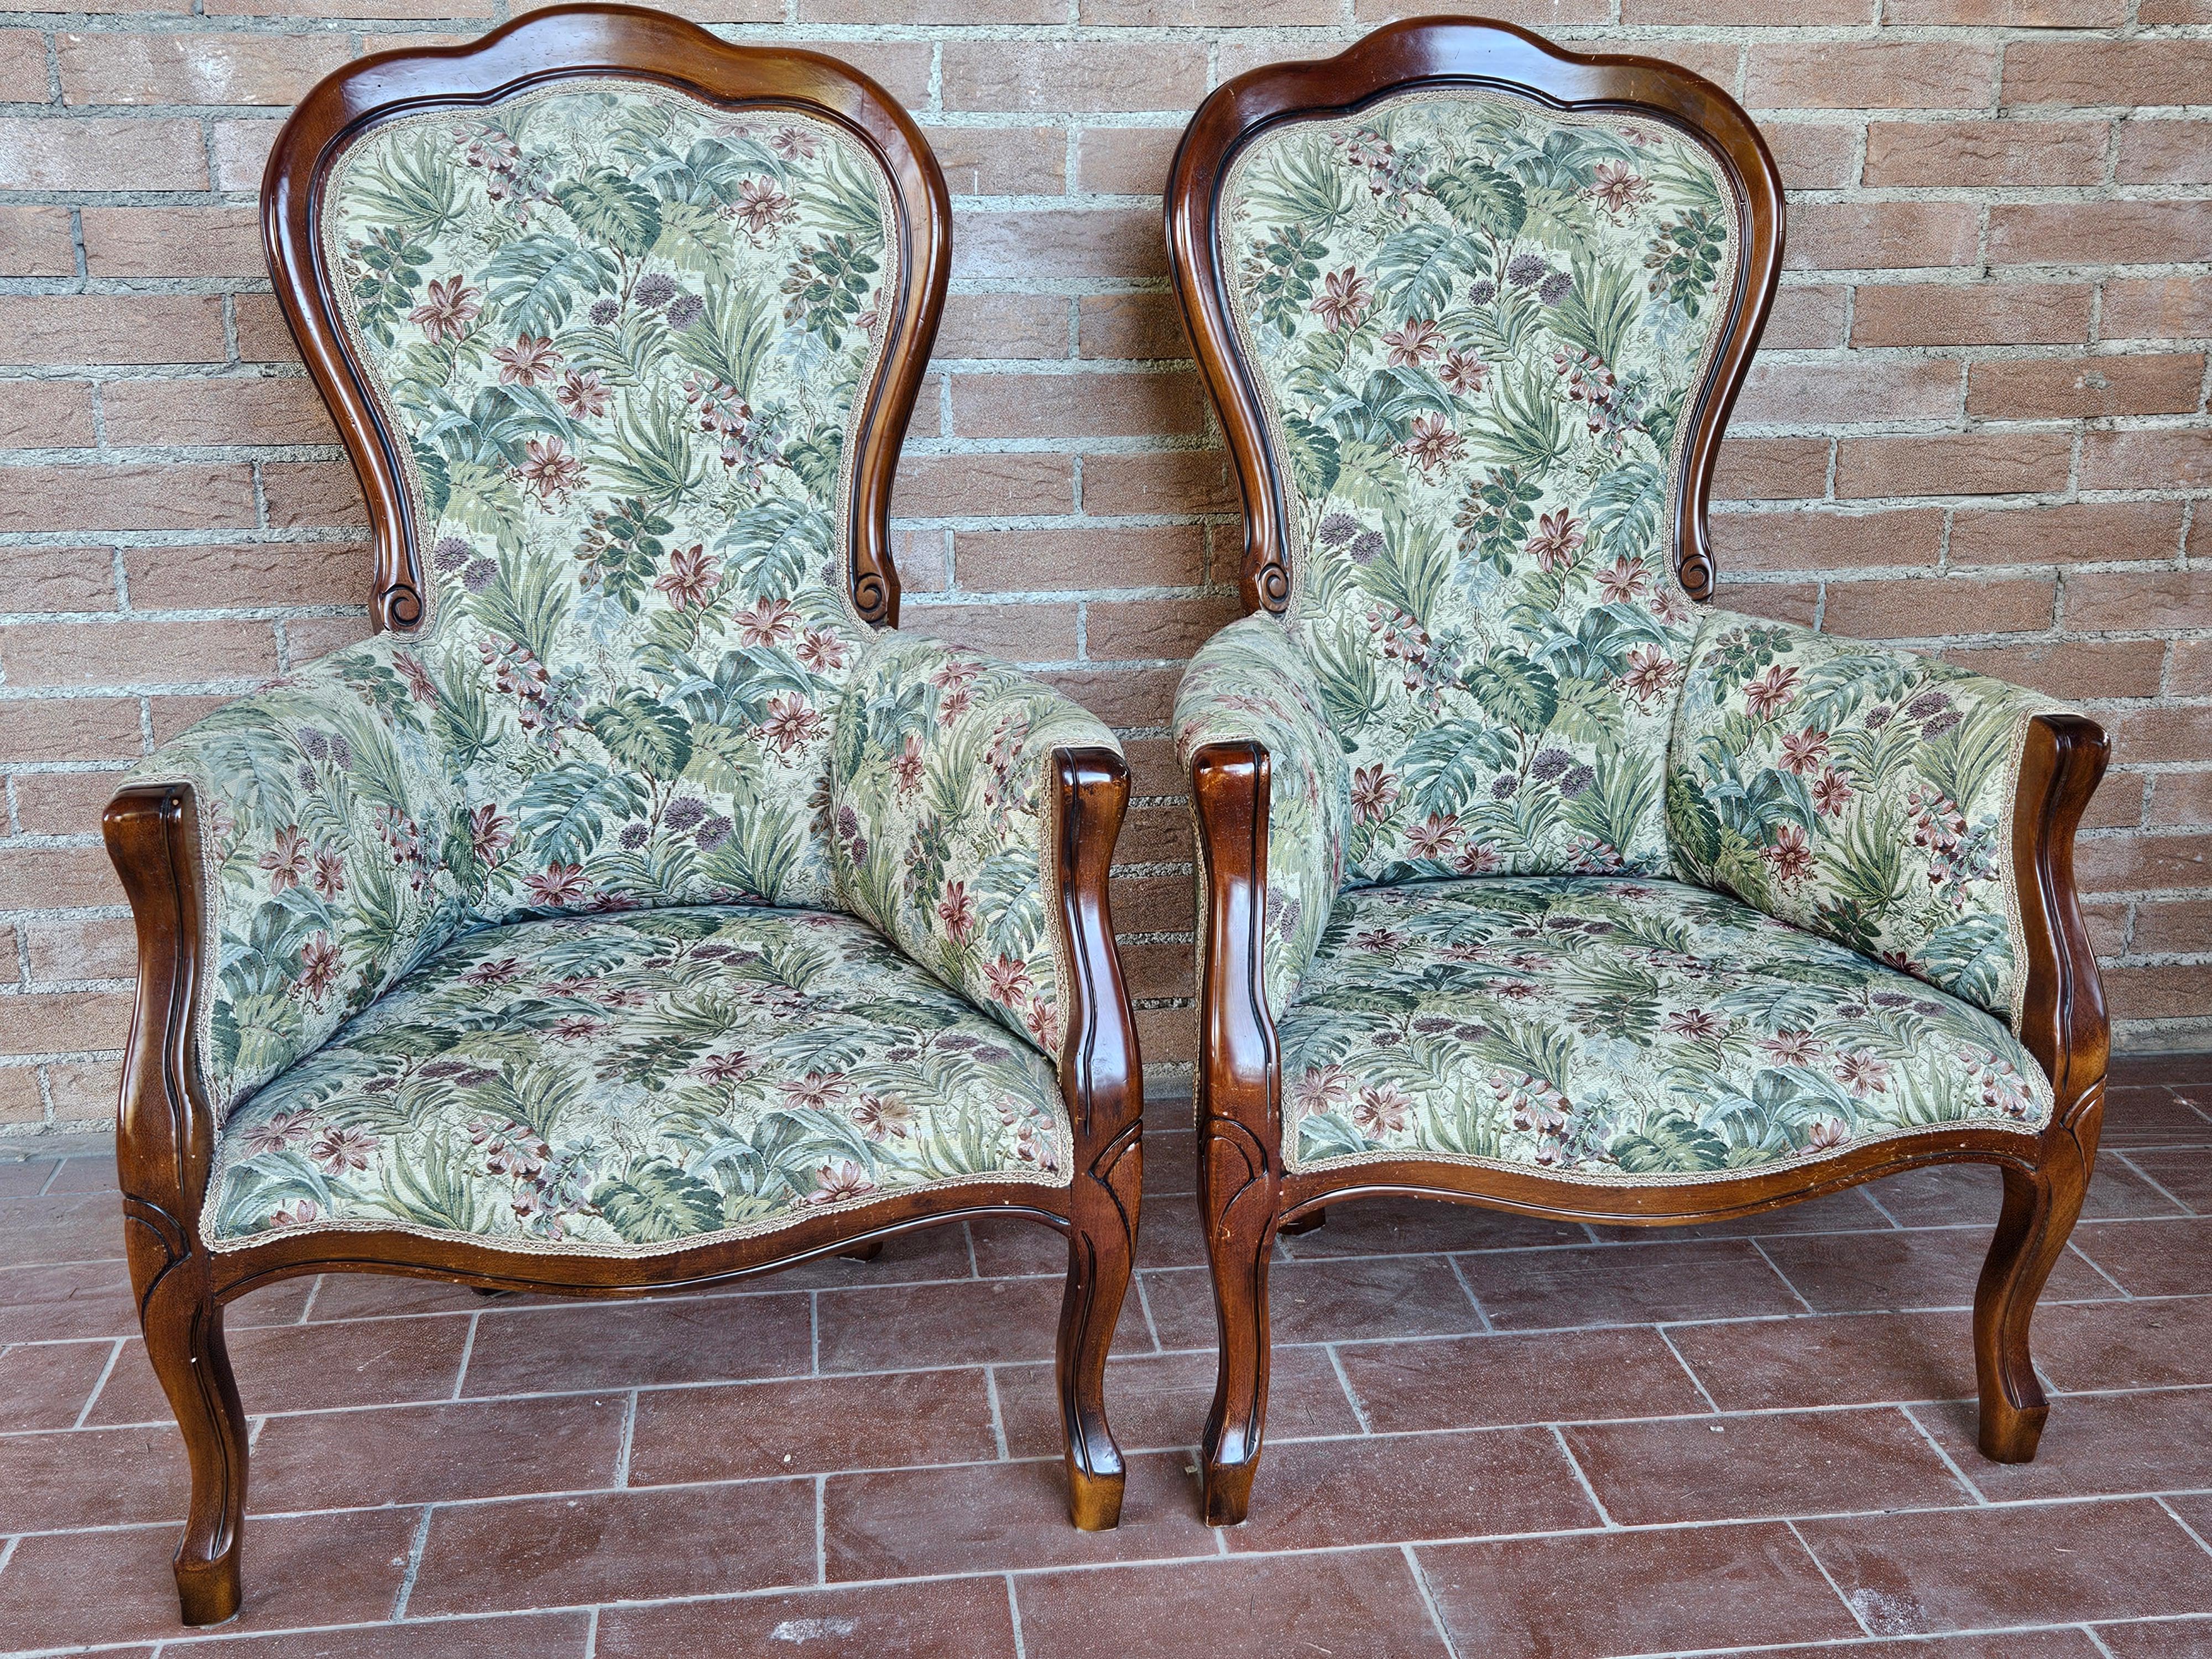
(1239, 1112)
(1102, 1080)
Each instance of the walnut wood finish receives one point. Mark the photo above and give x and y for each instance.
(166, 1140)
(1247, 1195)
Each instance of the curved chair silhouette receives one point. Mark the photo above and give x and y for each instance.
(1525, 882)
(632, 914)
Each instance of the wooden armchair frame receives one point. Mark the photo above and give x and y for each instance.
(1246, 1195)
(167, 1132)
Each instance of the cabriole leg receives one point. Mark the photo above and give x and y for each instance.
(1237, 1194)
(1101, 1247)
(182, 1326)
(2040, 1206)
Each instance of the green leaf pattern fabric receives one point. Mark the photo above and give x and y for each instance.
(1618, 1029)
(943, 822)
(1251, 682)
(1476, 326)
(627, 1085)
(1861, 793)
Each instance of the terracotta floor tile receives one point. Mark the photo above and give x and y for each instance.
(1007, 1248)
(1799, 1463)
(1469, 1382)
(2184, 1171)
(1970, 1194)
(1934, 1267)
(297, 1368)
(1626, 1284)
(626, 1546)
(91, 1478)
(1595, 1594)
(994, 1517)
(58, 1305)
(1473, 1483)
(927, 1253)
(2093, 1444)
(2150, 1258)
(1159, 1402)
(2039, 1565)
(2185, 1639)
(43, 1385)
(376, 1296)
(93, 1172)
(585, 1344)
(117, 1587)
(960, 1620)
(980, 1322)
(521, 1636)
(747, 1429)
(69, 1227)
(2152, 1343)
(25, 1177)
(2159, 1068)
(2011, 1644)
(1391, 1226)
(2153, 1117)
(1344, 1301)
(1834, 1212)
(433, 1454)
(1837, 1360)
(1363, 1604)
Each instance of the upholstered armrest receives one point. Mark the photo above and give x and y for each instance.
(322, 869)
(1893, 802)
(1250, 684)
(943, 800)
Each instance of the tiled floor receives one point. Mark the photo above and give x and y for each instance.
(1490, 1437)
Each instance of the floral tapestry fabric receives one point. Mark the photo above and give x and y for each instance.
(640, 1082)
(1477, 326)
(943, 805)
(1621, 1030)
(1251, 682)
(1862, 792)
(623, 338)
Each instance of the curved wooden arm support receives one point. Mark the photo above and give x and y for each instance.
(1459, 52)
(1101, 1079)
(1240, 1127)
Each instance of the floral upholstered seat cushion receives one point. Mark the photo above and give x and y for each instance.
(1476, 324)
(1622, 1029)
(640, 1082)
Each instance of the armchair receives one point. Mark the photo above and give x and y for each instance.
(636, 911)
(1634, 912)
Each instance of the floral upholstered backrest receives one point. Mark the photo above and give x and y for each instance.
(1479, 328)
(622, 339)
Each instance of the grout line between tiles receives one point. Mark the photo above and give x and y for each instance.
(415, 1546)
(1605, 1516)
(1850, 1605)
(1014, 1613)
(1429, 1601)
(1965, 1480)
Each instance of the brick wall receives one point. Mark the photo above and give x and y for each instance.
(1979, 423)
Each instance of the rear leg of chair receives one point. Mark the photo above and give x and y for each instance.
(183, 1325)
(1101, 1239)
(2040, 1206)
(1237, 1198)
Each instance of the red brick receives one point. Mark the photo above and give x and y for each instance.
(264, 337)
(1881, 235)
(309, 637)
(1120, 243)
(248, 410)
(2170, 732)
(2043, 388)
(1001, 160)
(1926, 610)
(2154, 152)
(1953, 464)
(1172, 480)
(2192, 672)
(1142, 326)
(194, 68)
(313, 495)
(75, 949)
(83, 655)
(2182, 798)
(968, 486)
(62, 1022)
(1536, 13)
(70, 729)
(2093, 669)
(1964, 154)
(58, 578)
(1137, 556)
(241, 151)
(1023, 633)
(1772, 469)
(1790, 602)
(2074, 531)
(1857, 387)
(1737, 14)
(2009, 13)
(47, 414)
(1025, 326)
(1807, 318)
(2136, 601)
(1871, 74)
(38, 153)
(2175, 459)
(1971, 313)
(1814, 155)
(173, 241)
(2132, 863)
(111, 328)
(63, 803)
(1827, 541)
(2098, 232)
(1133, 630)
(1081, 76)
(36, 241)
(1077, 405)
(137, 496)
(1125, 160)
(2156, 308)
(250, 574)
(2175, 925)
(2127, 73)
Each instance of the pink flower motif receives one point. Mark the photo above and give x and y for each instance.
(1463, 373)
(583, 395)
(761, 206)
(906, 767)
(1862, 1073)
(1804, 751)
(690, 577)
(1791, 855)
(342, 1149)
(1699, 1024)
(557, 883)
(956, 910)
(285, 859)
(1558, 538)
(550, 468)
(1383, 1110)
(320, 966)
(1008, 979)
(791, 721)
(492, 971)
(1768, 693)
(490, 832)
(528, 360)
(765, 622)
(329, 878)
(818, 1091)
(1651, 671)
(883, 1117)
(445, 314)
(1823, 1133)
(839, 1179)
(1373, 792)
(725, 1068)
(1622, 580)
(1414, 343)
(276, 1132)
(1345, 298)
(793, 143)
(1432, 837)
(1831, 793)
(821, 651)
(1792, 1047)
(1433, 443)
(1617, 188)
